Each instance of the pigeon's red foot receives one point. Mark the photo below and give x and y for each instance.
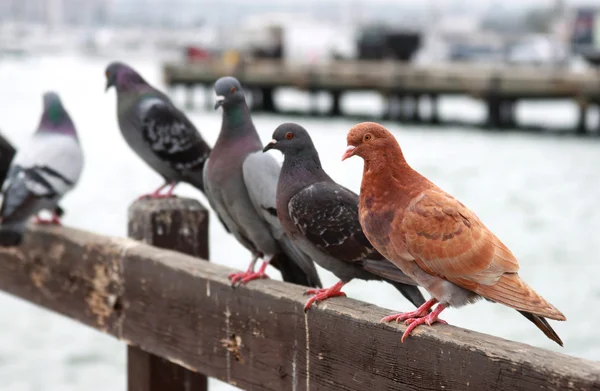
(55, 220)
(157, 194)
(324, 294)
(418, 313)
(248, 275)
(428, 320)
(418, 317)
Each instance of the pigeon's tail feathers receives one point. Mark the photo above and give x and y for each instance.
(411, 292)
(10, 236)
(543, 325)
(196, 179)
(295, 266)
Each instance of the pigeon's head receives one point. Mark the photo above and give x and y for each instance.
(54, 113)
(121, 76)
(54, 116)
(229, 92)
(368, 140)
(51, 100)
(290, 138)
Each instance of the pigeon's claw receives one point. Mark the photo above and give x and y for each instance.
(323, 294)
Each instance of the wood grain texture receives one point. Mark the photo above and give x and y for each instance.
(176, 224)
(257, 336)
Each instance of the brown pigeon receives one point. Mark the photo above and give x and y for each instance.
(435, 239)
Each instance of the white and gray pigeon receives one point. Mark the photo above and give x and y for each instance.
(41, 173)
(157, 131)
(321, 217)
(241, 183)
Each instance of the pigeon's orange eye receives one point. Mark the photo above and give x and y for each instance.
(233, 90)
(107, 73)
(367, 137)
(289, 135)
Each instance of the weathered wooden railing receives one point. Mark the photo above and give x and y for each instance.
(181, 318)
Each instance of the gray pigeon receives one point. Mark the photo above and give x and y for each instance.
(157, 131)
(241, 183)
(41, 173)
(321, 217)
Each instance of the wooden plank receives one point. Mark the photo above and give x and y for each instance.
(176, 224)
(258, 336)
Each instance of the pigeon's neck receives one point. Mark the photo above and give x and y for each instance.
(299, 170)
(237, 122)
(56, 120)
(236, 116)
(131, 81)
(390, 171)
(134, 91)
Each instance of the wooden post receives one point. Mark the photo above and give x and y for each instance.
(391, 105)
(434, 117)
(176, 224)
(582, 122)
(189, 96)
(267, 102)
(415, 115)
(494, 103)
(209, 98)
(336, 111)
(508, 114)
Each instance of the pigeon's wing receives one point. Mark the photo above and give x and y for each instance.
(261, 173)
(45, 170)
(327, 215)
(448, 240)
(171, 135)
(22, 194)
(208, 194)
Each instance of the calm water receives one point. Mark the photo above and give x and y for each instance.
(538, 194)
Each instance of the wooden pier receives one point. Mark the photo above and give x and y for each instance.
(182, 320)
(403, 85)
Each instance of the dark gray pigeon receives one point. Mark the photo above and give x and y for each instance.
(41, 173)
(241, 182)
(7, 153)
(157, 131)
(321, 217)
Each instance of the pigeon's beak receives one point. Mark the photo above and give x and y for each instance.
(270, 145)
(108, 85)
(349, 152)
(220, 100)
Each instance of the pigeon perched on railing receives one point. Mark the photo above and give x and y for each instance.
(157, 131)
(41, 173)
(241, 184)
(435, 239)
(321, 217)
